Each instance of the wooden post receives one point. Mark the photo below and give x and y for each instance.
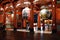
(38, 22)
(32, 21)
(4, 18)
(15, 20)
(54, 16)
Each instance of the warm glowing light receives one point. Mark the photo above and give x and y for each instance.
(18, 5)
(27, 3)
(1, 9)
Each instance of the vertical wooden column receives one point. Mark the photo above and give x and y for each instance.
(4, 18)
(31, 20)
(15, 20)
(54, 16)
(38, 21)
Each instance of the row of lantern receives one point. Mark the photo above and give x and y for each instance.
(10, 17)
(11, 12)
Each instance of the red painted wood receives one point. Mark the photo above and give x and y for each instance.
(31, 19)
(54, 14)
(39, 21)
(2, 15)
(57, 15)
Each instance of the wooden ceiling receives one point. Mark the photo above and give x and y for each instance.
(3, 2)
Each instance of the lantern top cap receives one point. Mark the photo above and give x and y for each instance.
(27, 3)
(18, 4)
(42, 7)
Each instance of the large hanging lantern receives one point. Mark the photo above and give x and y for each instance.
(45, 13)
